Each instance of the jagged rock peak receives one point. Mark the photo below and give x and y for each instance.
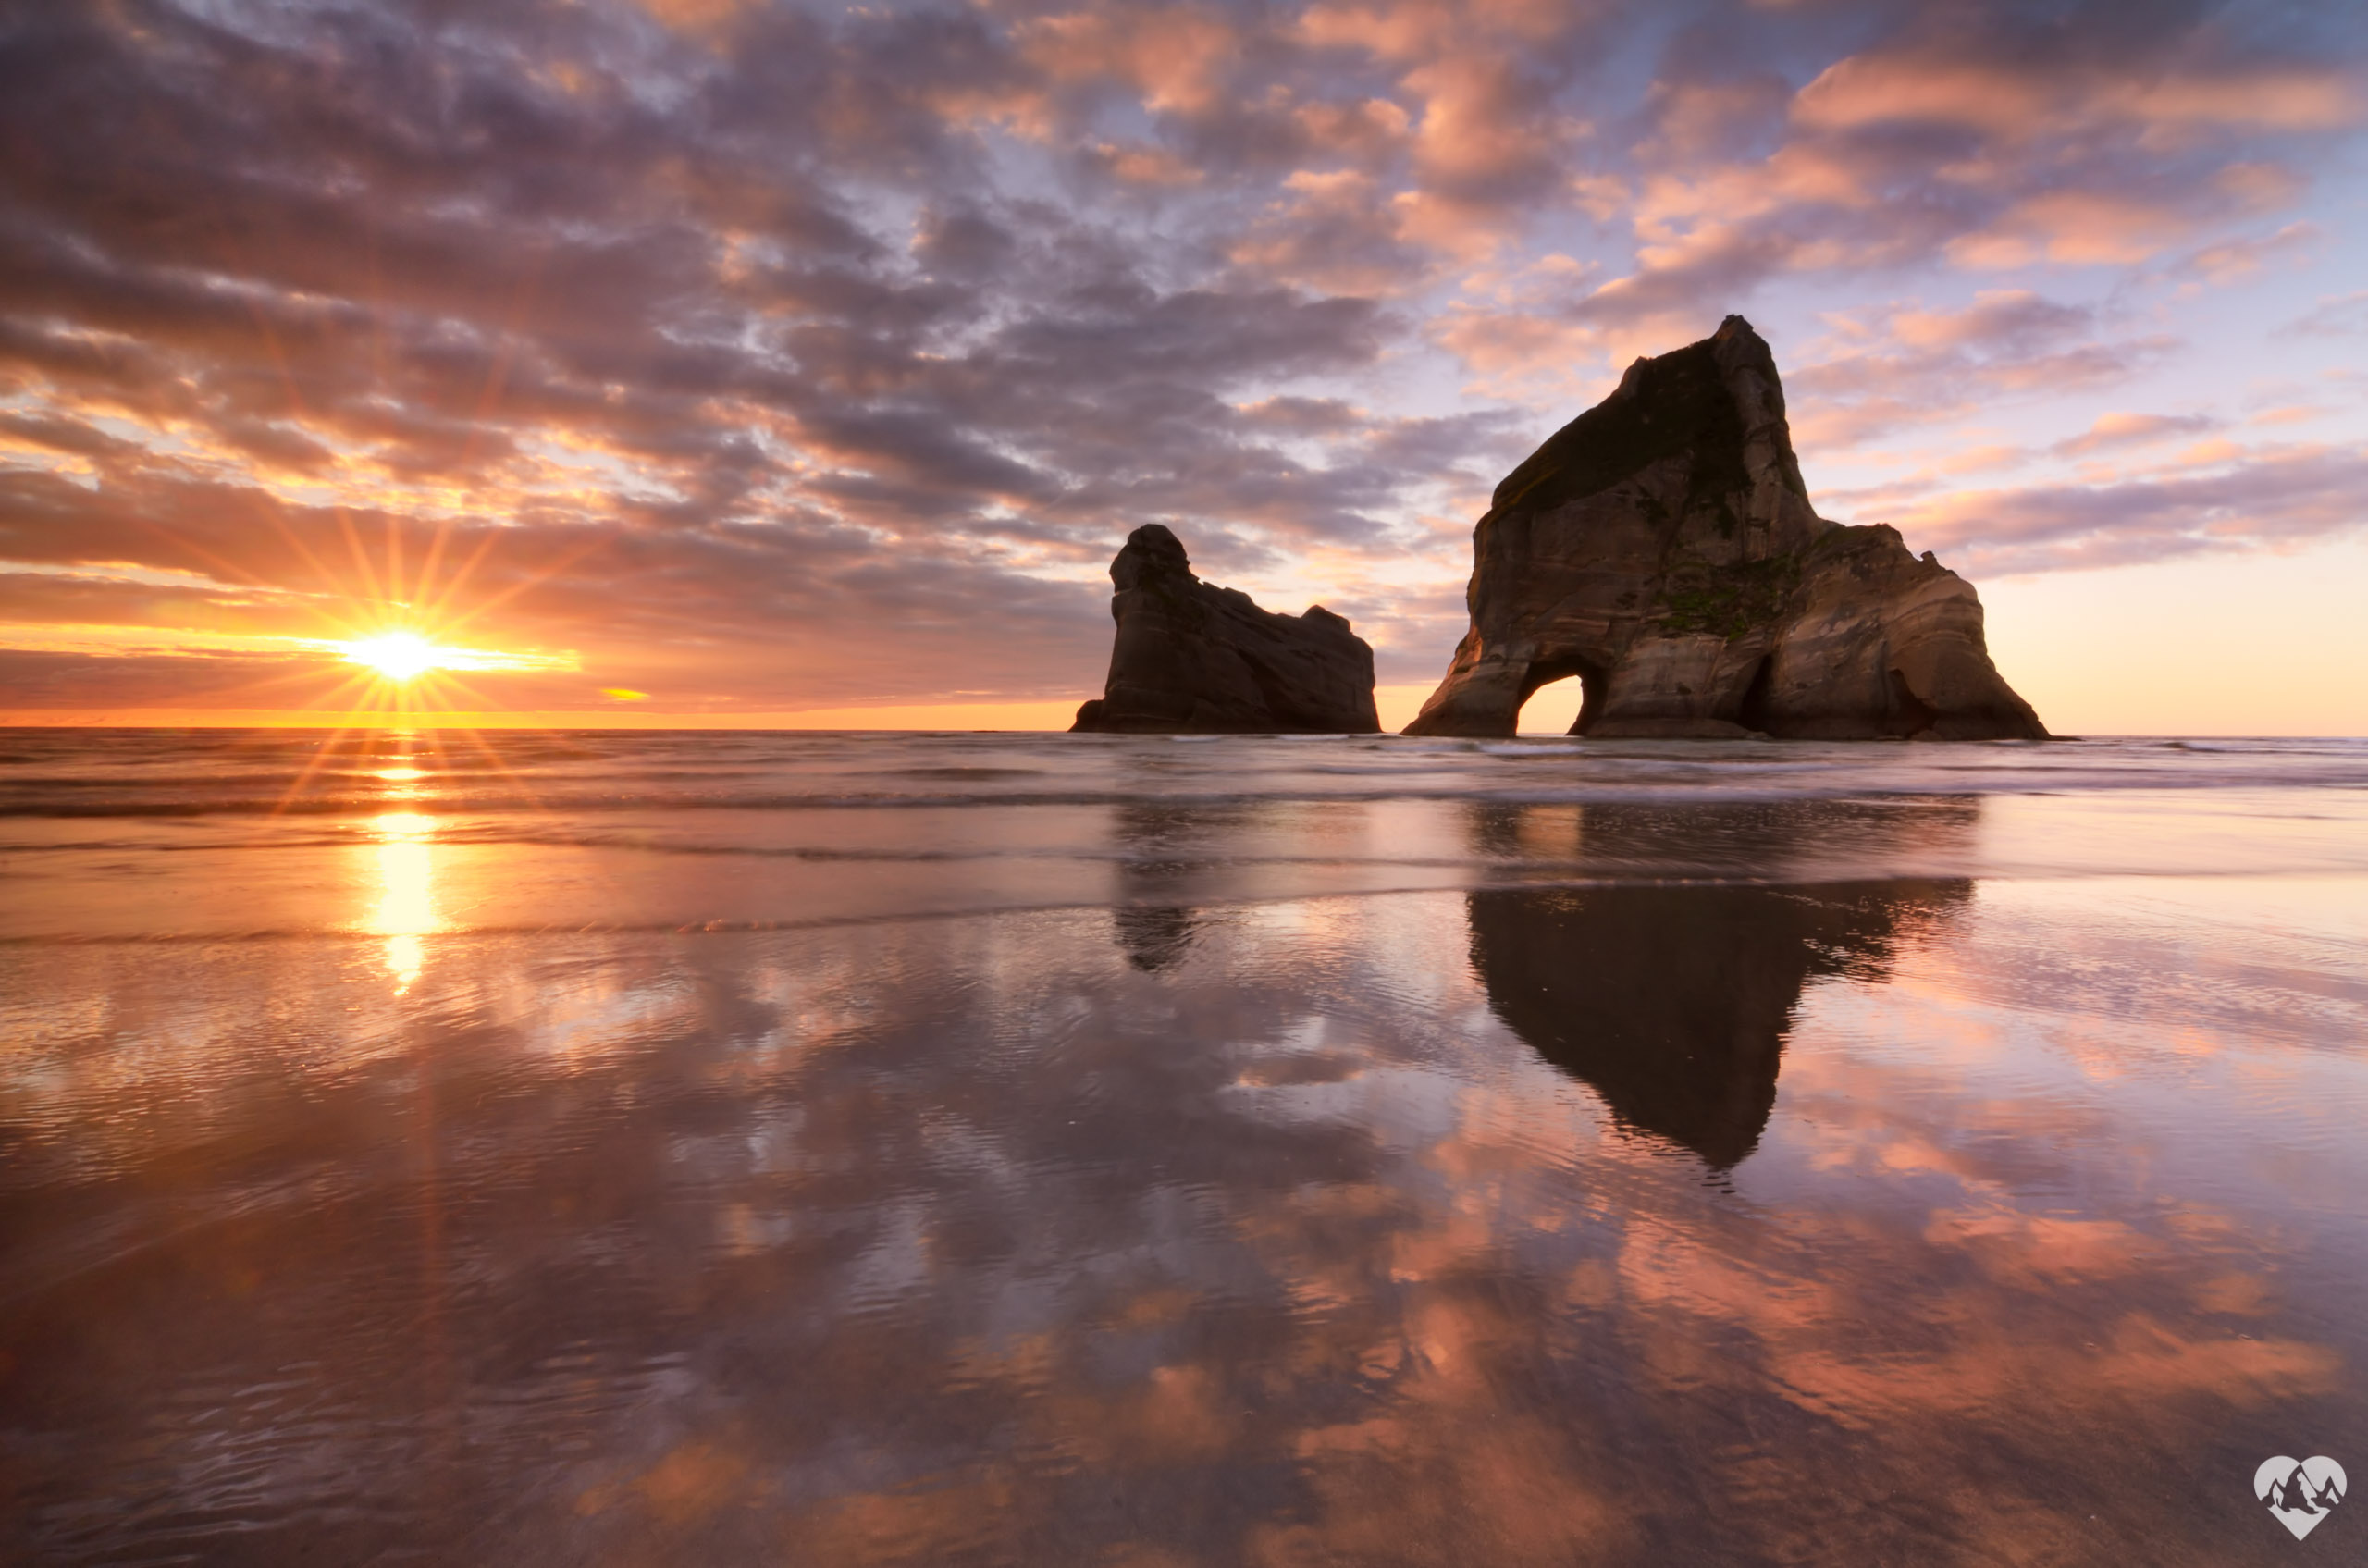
(1192, 658)
(1721, 397)
(1661, 547)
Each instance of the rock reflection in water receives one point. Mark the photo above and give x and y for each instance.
(1252, 1238)
(1154, 839)
(1672, 1001)
(1155, 937)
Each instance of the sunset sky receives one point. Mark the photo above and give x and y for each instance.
(695, 360)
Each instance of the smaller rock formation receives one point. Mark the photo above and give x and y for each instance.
(1661, 547)
(1191, 658)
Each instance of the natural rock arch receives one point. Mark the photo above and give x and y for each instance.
(1662, 547)
(1545, 674)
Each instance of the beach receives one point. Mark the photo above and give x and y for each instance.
(611, 1147)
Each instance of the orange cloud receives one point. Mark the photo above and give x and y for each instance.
(2082, 228)
(2017, 102)
(1141, 164)
(1176, 57)
(1339, 231)
(2131, 429)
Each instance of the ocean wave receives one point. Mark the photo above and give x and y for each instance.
(68, 775)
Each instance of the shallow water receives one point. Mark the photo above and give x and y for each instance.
(618, 1148)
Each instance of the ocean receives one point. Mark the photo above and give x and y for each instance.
(718, 1147)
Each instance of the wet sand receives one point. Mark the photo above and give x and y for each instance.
(1547, 1158)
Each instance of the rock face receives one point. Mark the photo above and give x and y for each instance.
(1662, 547)
(1195, 659)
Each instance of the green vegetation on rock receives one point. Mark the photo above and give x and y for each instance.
(1729, 600)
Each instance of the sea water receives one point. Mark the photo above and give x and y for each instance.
(715, 1147)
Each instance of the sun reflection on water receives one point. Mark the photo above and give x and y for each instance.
(406, 903)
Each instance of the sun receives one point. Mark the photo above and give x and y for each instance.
(398, 656)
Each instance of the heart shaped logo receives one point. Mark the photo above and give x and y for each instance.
(2299, 1492)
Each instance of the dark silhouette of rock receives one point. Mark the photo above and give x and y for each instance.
(1192, 658)
(1673, 999)
(1165, 853)
(1673, 1003)
(1662, 547)
(1155, 937)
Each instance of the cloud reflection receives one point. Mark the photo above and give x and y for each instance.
(978, 1240)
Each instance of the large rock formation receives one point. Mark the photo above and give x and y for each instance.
(1662, 547)
(1193, 658)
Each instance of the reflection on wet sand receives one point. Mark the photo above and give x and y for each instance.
(1672, 1002)
(1157, 936)
(405, 867)
(1278, 1233)
(1154, 841)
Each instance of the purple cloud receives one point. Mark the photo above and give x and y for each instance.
(783, 356)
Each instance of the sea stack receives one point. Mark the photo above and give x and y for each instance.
(1191, 658)
(1662, 547)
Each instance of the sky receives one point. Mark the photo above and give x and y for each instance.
(721, 361)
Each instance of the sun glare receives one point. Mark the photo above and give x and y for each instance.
(403, 674)
(398, 656)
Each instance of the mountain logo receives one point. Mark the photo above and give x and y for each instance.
(2301, 1492)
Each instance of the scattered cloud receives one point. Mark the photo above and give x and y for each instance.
(2244, 499)
(2340, 315)
(2287, 414)
(778, 356)
(1897, 367)
(2132, 429)
(2233, 260)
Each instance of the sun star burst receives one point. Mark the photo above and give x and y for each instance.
(398, 656)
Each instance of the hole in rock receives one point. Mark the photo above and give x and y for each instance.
(1553, 707)
(1755, 711)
